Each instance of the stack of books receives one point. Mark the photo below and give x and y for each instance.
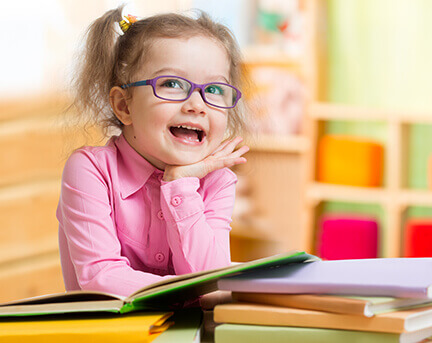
(367, 300)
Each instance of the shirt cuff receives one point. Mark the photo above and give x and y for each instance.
(181, 198)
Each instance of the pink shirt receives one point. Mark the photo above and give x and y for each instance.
(121, 227)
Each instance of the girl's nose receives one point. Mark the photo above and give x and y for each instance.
(195, 103)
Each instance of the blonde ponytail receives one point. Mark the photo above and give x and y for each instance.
(93, 79)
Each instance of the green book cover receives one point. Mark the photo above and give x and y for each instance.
(233, 333)
(168, 294)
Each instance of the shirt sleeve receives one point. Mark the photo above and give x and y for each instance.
(198, 224)
(86, 219)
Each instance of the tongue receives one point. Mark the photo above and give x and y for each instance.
(187, 134)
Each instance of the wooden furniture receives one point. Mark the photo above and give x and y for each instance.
(275, 173)
(278, 166)
(394, 196)
(35, 140)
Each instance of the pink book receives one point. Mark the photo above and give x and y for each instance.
(392, 277)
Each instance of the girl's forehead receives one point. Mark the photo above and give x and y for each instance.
(193, 55)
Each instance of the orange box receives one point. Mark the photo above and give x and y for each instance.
(349, 160)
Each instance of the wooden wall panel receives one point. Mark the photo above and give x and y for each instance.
(35, 141)
(27, 278)
(37, 148)
(29, 225)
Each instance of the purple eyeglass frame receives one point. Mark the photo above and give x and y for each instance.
(201, 87)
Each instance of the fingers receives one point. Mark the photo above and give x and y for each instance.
(221, 146)
(230, 160)
(227, 147)
(224, 156)
(237, 153)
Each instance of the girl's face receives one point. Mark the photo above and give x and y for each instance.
(154, 126)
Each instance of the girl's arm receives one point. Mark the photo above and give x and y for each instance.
(89, 245)
(198, 223)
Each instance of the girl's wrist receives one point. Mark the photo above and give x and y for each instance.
(170, 175)
(168, 178)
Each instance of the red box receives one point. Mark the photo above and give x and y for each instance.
(418, 238)
(347, 237)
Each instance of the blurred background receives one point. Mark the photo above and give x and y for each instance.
(340, 128)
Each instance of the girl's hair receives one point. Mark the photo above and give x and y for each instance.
(112, 59)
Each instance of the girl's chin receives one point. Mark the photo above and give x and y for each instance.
(177, 157)
(185, 161)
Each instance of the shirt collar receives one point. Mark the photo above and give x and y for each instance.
(133, 169)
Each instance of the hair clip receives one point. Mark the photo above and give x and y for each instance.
(126, 24)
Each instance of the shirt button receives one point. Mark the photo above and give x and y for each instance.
(159, 257)
(160, 177)
(176, 201)
(160, 215)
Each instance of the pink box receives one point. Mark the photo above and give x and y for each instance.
(347, 237)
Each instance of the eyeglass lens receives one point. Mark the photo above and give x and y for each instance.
(218, 94)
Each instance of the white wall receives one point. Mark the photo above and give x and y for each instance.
(40, 37)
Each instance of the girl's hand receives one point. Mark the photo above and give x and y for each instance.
(223, 156)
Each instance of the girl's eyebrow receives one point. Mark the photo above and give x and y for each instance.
(170, 71)
(181, 73)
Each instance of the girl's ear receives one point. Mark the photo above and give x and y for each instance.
(120, 105)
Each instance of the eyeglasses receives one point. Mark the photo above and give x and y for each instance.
(176, 88)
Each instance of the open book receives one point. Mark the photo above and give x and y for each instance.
(163, 295)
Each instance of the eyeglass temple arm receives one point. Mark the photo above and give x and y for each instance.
(135, 84)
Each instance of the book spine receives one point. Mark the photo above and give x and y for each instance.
(272, 315)
(297, 287)
(127, 307)
(232, 333)
(306, 301)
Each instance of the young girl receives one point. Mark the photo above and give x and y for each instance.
(156, 200)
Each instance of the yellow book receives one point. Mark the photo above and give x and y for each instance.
(106, 328)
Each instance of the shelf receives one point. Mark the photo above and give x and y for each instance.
(415, 198)
(330, 192)
(287, 144)
(262, 54)
(330, 111)
(318, 192)
(39, 105)
(253, 231)
(28, 249)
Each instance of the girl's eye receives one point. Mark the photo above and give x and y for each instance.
(214, 89)
(172, 84)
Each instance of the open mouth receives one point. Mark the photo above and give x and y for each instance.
(188, 133)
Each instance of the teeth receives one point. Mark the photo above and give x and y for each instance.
(189, 127)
